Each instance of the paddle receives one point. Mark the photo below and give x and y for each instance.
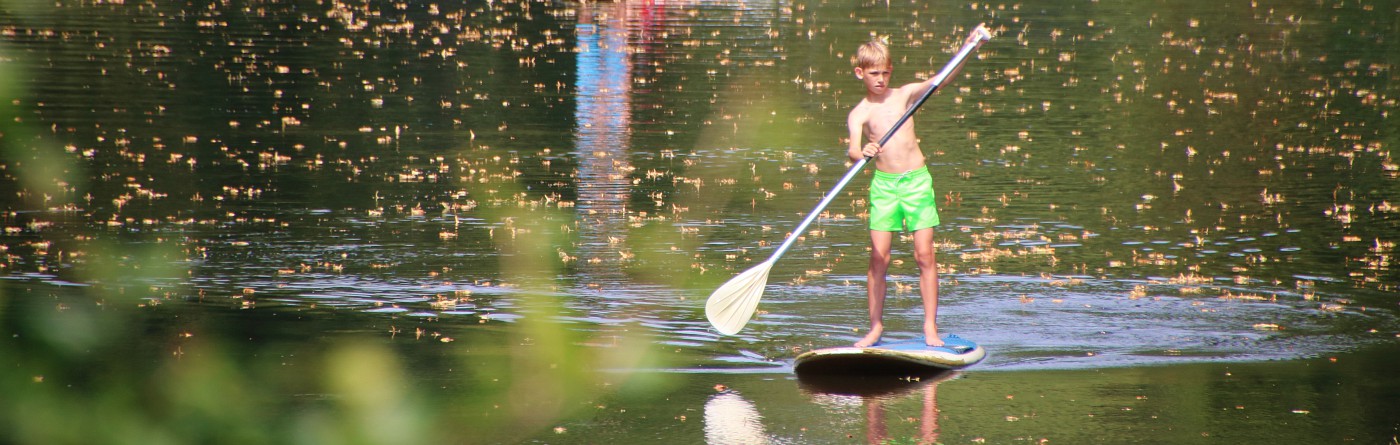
(731, 306)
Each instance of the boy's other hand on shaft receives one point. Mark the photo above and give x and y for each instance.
(870, 150)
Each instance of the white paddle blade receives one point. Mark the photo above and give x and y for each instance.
(732, 305)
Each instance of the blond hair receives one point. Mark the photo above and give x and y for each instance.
(873, 54)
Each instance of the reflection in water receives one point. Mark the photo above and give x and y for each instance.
(602, 132)
(604, 114)
(877, 395)
(877, 431)
(732, 419)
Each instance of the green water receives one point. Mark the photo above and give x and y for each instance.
(497, 222)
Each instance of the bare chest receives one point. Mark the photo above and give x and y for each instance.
(882, 119)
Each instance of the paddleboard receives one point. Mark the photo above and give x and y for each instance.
(901, 357)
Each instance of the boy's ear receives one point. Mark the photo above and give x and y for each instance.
(860, 73)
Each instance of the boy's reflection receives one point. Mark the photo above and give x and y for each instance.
(731, 419)
(876, 429)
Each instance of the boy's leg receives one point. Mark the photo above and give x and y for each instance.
(875, 285)
(928, 283)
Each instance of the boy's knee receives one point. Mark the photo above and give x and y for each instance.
(879, 268)
(925, 259)
(879, 263)
(879, 258)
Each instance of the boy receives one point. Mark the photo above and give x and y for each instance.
(901, 192)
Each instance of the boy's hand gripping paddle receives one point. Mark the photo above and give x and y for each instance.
(731, 306)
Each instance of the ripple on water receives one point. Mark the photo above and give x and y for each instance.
(1069, 321)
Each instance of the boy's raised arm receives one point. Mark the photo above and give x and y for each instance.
(975, 36)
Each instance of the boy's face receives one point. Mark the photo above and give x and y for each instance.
(876, 79)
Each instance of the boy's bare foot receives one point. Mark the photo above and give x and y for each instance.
(871, 339)
(931, 336)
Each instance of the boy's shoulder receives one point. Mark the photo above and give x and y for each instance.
(861, 108)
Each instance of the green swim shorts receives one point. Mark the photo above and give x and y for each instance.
(902, 201)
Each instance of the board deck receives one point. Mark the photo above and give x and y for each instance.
(901, 357)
